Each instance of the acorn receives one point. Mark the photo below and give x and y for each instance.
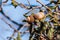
(30, 19)
(39, 15)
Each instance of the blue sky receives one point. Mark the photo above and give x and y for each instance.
(15, 14)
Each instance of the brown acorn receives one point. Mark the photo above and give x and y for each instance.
(30, 19)
(39, 15)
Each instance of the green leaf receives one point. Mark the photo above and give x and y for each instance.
(14, 3)
(52, 7)
(15, 39)
(59, 1)
(50, 33)
(18, 36)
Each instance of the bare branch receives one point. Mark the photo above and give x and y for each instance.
(44, 5)
(28, 2)
(5, 1)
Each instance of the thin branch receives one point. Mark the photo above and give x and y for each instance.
(1, 10)
(9, 24)
(28, 2)
(5, 1)
(10, 19)
(24, 6)
(44, 5)
(15, 30)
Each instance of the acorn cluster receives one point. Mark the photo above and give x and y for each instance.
(38, 16)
